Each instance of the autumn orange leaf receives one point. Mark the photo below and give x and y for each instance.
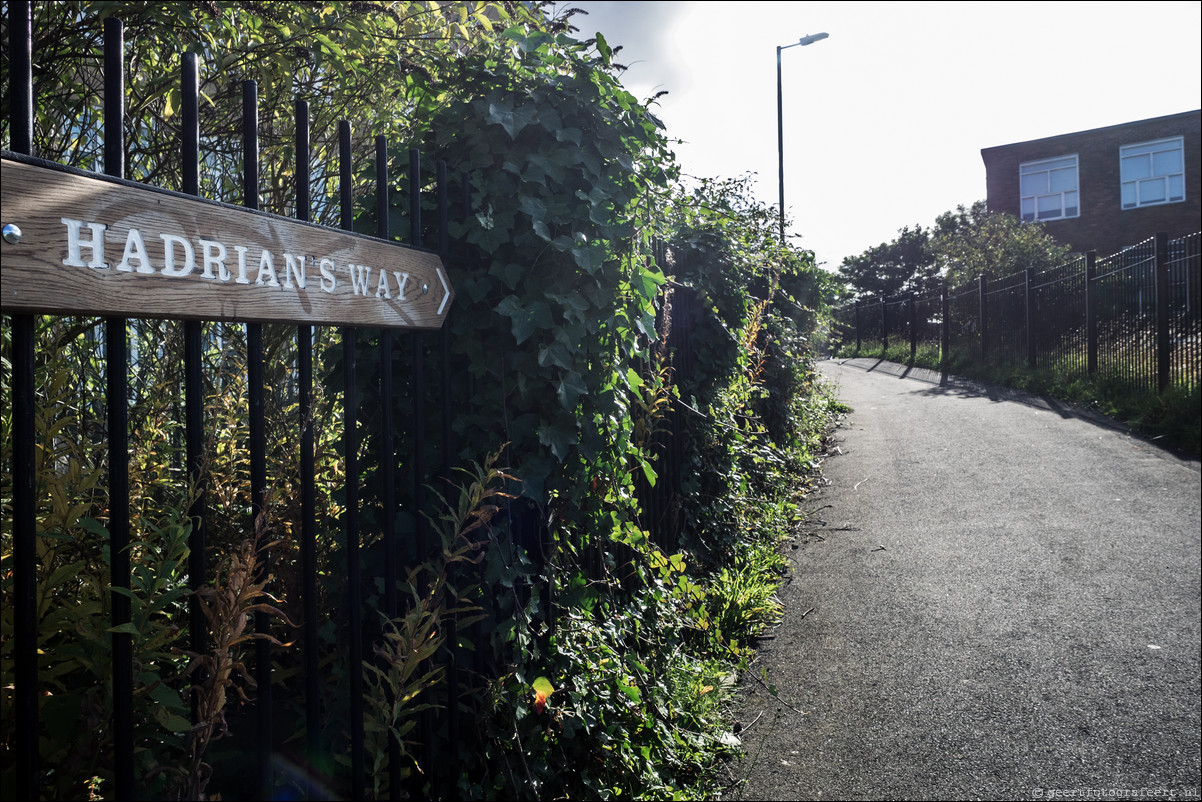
(542, 689)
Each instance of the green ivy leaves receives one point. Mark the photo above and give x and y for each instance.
(562, 161)
(513, 120)
(525, 320)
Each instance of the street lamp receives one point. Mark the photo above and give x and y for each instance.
(780, 121)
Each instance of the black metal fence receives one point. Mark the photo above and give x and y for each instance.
(114, 337)
(1132, 317)
(400, 423)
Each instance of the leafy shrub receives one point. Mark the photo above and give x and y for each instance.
(540, 572)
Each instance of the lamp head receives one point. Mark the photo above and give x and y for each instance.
(812, 38)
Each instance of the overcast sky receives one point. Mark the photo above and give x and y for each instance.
(885, 120)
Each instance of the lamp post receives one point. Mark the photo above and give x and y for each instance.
(780, 120)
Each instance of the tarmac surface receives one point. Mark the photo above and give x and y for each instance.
(995, 597)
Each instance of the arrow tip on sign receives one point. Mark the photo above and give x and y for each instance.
(446, 290)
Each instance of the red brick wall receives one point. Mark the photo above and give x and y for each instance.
(1103, 225)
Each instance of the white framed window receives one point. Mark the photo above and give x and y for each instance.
(1048, 189)
(1153, 172)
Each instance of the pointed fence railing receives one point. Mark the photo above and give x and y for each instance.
(1132, 317)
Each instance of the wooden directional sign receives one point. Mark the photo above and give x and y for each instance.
(78, 243)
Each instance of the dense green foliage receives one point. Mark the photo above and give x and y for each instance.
(892, 268)
(753, 358)
(565, 167)
(372, 63)
(593, 658)
(959, 247)
(968, 242)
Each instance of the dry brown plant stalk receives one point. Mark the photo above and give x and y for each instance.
(228, 604)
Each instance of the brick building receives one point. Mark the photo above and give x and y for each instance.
(1105, 188)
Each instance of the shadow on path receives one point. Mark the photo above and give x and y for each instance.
(945, 384)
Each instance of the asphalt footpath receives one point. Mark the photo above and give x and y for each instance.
(995, 597)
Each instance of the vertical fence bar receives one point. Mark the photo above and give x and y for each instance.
(117, 391)
(117, 353)
(884, 326)
(913, 329)
(1136, 352)
(25, 607)
(419, 415)
(479, 658)
(444, 248)
(25, 543)
(859, 342)
(25, 612)
(20, 50)
(190, 126)
(1131, 350)
(1029, 311)
(302, 160)
(1091, 313)
(258, 485)
(114, 97)
(193, 385)
(308, 471)
(981, 291)
(945, 331)
(250, 144)
(388, 451)
(1190, 262)
(346, 192)
(1114, 293)
(388, 399)
(257, 445)
(308, 544)
(419, 387)
(1164, 343)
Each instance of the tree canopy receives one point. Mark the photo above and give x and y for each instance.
(892, 268)
(968, 242)
(960, 246)
(384, 65)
